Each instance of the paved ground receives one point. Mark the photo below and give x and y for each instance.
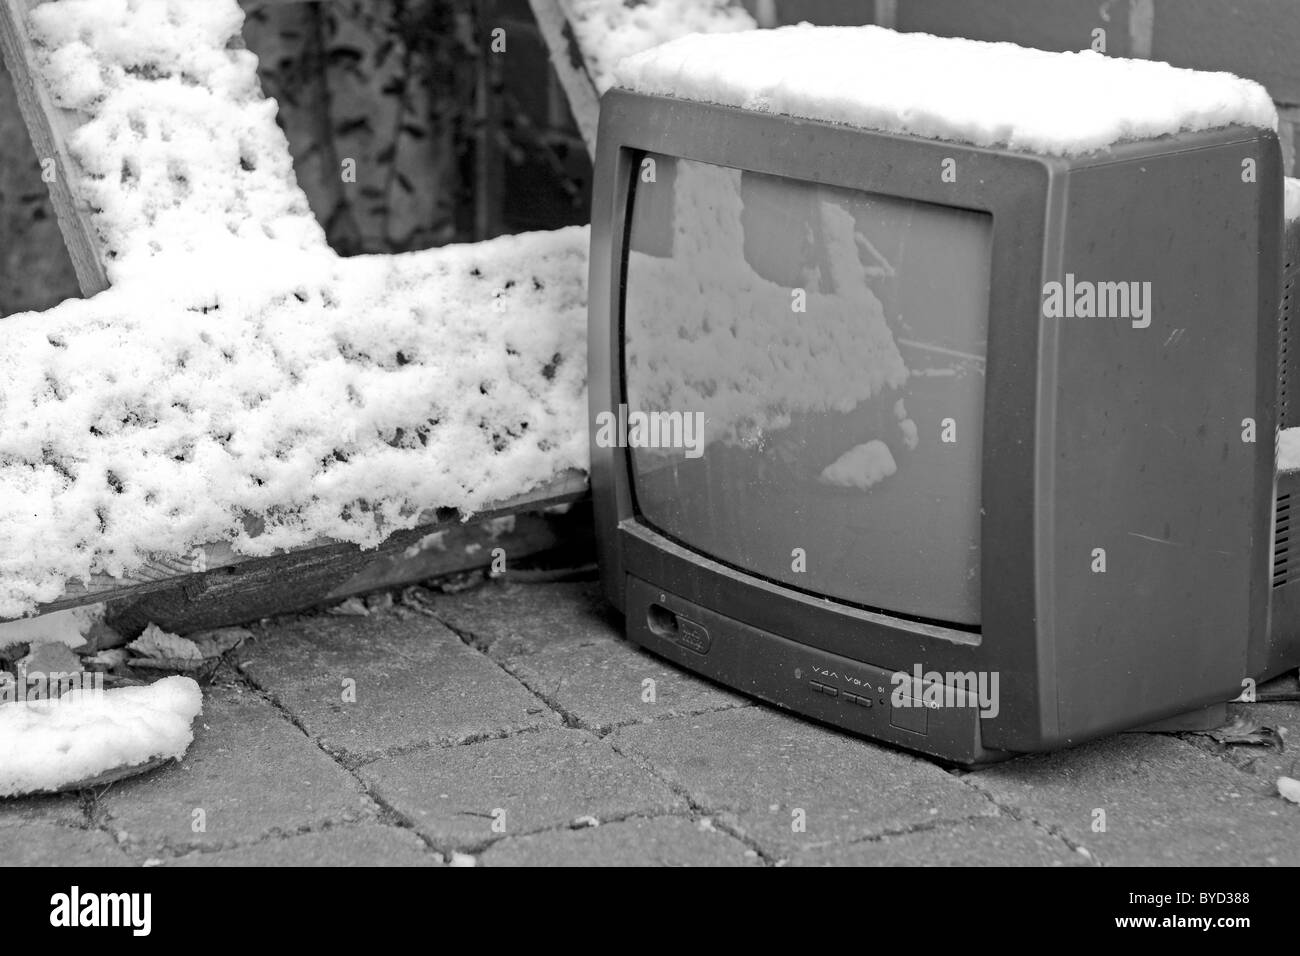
(511, 725)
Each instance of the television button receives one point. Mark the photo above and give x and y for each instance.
(830, 692)
(915, 718)
(819, 688)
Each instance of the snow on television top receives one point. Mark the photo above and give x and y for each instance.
(968, 91)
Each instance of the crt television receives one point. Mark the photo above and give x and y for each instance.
(973, 464)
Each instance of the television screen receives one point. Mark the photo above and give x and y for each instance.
(815, 357)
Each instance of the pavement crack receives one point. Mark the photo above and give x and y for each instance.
(695, 805)
(1018, 814)
(569, 719)
(386, 812)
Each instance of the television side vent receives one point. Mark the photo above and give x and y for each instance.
(1285, 569)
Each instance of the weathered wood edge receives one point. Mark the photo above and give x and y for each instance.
(49, 127)
(171, 572)
(570, 66)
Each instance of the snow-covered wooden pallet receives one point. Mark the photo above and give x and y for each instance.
(232, 584)
(585, 38)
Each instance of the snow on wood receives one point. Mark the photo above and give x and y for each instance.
(587, 37)
(49, 126)
(240, 390)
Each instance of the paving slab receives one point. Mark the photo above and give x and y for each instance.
(986, 841)
(509, 620)
(364, 845)
(250, 772)
(661, 841)
(36, 843)
(365, 686)
(1165, 802)
(792, 786)
(468, 797)
(605, 683)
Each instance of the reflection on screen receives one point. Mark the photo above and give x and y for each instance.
(832, 342)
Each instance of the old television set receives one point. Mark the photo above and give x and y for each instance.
(926, 507)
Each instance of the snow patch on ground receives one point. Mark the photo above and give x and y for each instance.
(46, 745)
(861, 466)
(985, 94)
(609, 30)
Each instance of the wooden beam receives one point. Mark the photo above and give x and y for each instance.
(50, 127)
(322, 576)
(216, 560)
(570, 67)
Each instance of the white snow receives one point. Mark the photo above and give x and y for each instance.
(861, 466)
(240, 381)
(609, 30)
(49, 744)
(58, 627)
(985, 94)
(1291, 198)
(339, 402)
(179, 151)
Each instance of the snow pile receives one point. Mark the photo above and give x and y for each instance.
(1291, 198)
(240, 381)
(609, 30)
(50, 744)
(985, 94)
(180, 152)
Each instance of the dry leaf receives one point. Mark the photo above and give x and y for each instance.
(352, 607)
(1245, 731)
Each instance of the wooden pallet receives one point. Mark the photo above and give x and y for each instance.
(215, 585)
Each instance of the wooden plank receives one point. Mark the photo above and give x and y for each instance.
(570, 67)
(297, 582)
(50, 126)
(216, 559)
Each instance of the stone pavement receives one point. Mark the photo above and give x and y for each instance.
(510, 725)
